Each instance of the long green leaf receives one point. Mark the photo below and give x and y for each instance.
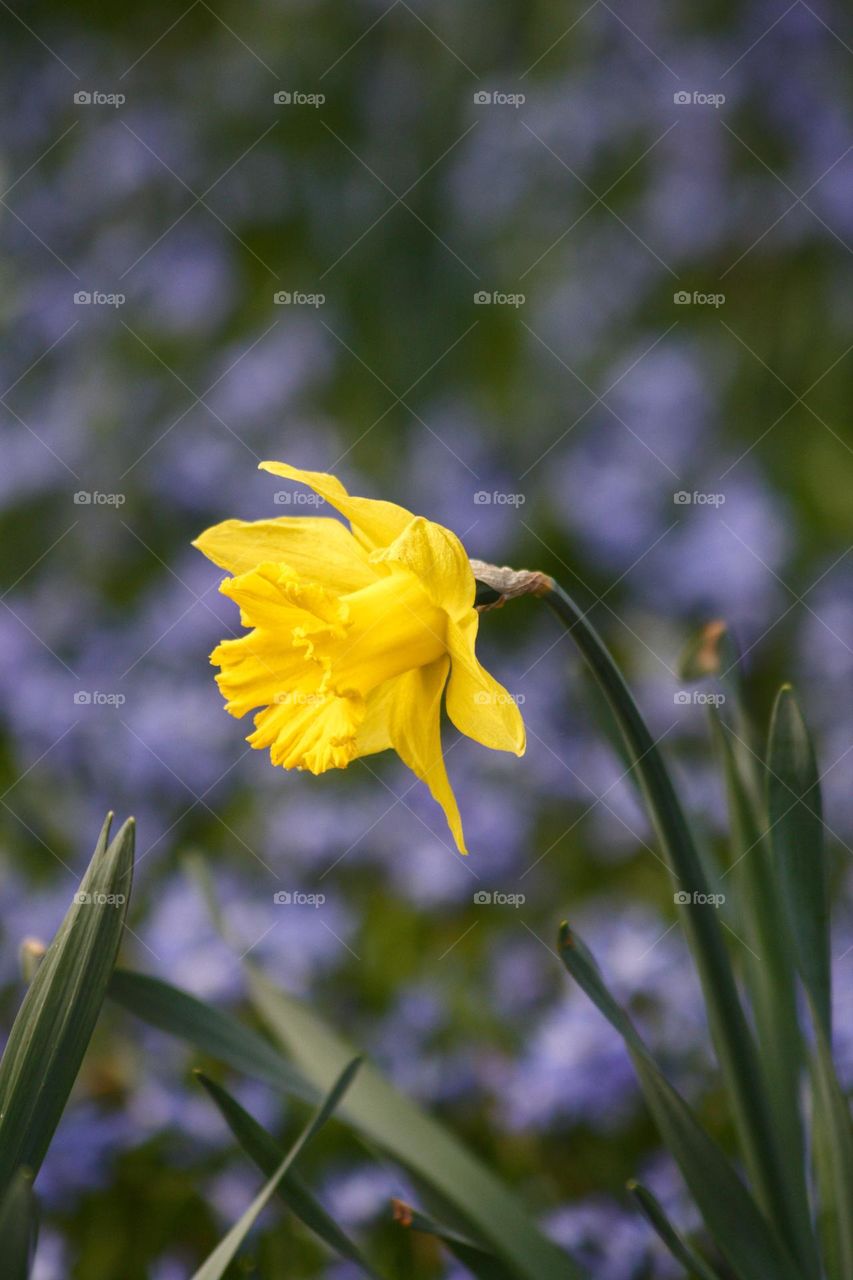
(478, 1260)
(208, 1029)
(729, 1210)
(767, 961)
(56, 1019)
(653, 1211)
(730, 1031)
(267, 1154)
(833, 1135)
(218, 1262)
(18, 1226)
(411, 1136)
(796, 833)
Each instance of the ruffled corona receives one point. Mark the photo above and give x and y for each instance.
(355, 636)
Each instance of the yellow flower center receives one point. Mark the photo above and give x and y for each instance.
(392, 626)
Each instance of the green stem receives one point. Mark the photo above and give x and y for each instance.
(729, 1029)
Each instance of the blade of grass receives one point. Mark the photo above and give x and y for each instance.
(59, 1011)
(208, 1029)
(410, 1135)
(478, 1260)
(730, 1032)
(744, 1236)
(267, 1154)
(218, 1262)
(833, 1137)
(18, 1226)
(770, 978)
(652, 1210)
(796, 834)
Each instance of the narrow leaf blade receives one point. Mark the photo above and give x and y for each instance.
(59, 1011)
(796, 833)
(266, 1153)
(218, 1262)
(726, 1205)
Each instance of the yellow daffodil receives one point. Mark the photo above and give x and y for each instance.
(356, 634)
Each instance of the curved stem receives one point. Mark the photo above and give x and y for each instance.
(731, 1035)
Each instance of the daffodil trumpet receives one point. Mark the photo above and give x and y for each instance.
(355, 637)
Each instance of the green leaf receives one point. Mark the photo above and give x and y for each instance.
(796, 833)
(411, 1136)
(651, 1209)
(730, 1031)
(267, 1155)
(730, 1212)
(179, 1014)
(479, 1261)
(217, 1264)
(766, 956)
(18, 1226)
(59, 1011)
(833, 1136)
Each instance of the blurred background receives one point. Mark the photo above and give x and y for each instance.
(575, 282)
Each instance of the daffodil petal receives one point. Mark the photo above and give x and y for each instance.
(438, 559)
(256, 670)
(479, 706)
(374, 523)
(416, 736)
(374, 732)
(314, 731)
(319, 548)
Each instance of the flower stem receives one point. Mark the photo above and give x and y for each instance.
(730, 1031)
